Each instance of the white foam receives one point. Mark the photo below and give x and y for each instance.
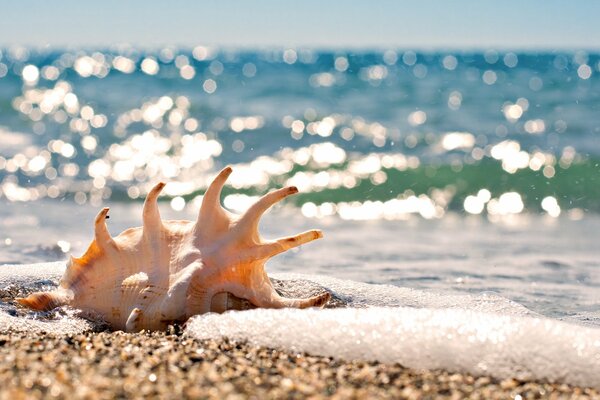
(358, 294)
(480, 343)
(67, 324)
(480, 334)
(39, 275)
(28, 274)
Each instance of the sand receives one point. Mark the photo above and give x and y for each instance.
(106, 365)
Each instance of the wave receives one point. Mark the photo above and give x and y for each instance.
(363, 188)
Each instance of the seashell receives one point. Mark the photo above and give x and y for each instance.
(167, 271)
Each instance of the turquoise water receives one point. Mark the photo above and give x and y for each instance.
(419, 133)
(462, 172)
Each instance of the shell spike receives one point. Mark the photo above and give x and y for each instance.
(250, 220)
(283, 244)
(212, 198)
(151, 214)
(316, 301)
(44, 301)
(101, 231)
(269, 298)
(212, 218)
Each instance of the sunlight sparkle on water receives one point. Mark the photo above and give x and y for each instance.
(550, 205)
(417, 118)
(209, 86)
(81, 147)
(458, 140)
(513, 112)
(150, 66)
(123, 64)
(584, 71)
(507, 203)
(31, 74)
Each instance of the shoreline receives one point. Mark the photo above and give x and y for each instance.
(158, 364)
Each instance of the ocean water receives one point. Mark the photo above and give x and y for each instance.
(459, 176)
(364, 135)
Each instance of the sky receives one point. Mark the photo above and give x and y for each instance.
(415, 24)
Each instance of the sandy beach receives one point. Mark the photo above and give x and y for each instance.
(156, 158)
(99, 363)
(107, 365)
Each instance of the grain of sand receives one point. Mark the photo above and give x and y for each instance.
(107, 365)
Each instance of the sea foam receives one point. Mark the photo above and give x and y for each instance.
(452, 339)
(478, 334)
(64, 324)
(39, 277)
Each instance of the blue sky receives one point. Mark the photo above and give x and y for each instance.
(423, 24)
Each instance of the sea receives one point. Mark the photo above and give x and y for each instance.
(458, 191)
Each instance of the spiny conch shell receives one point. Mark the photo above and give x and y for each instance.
(168, 271)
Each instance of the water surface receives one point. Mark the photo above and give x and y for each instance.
(472, 172)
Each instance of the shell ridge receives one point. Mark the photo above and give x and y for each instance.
(177, 293)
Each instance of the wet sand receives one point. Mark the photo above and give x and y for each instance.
(108, 365)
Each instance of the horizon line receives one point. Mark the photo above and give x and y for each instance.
(320, 48)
